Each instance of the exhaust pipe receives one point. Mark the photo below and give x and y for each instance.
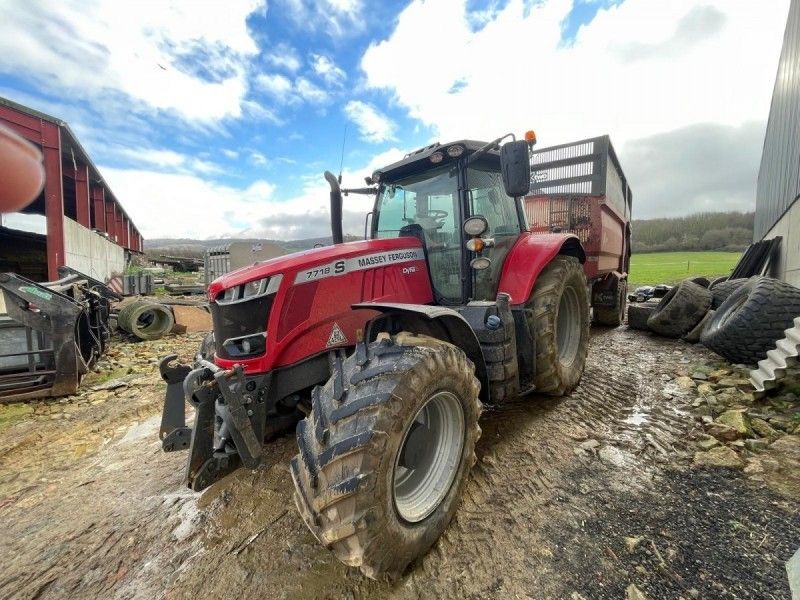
(336, 208)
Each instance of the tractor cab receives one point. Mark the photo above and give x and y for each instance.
(430, 195)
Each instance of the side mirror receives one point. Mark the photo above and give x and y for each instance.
(515, 165)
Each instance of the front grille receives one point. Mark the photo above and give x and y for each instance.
(239, 319)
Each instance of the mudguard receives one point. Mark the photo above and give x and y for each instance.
(437, 321)
(529, 256)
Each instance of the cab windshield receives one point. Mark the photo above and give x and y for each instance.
(425, 206)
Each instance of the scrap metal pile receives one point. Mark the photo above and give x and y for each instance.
(52, 334)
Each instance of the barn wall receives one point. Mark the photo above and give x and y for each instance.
(779, 174)
(91, 253)
(788, 227)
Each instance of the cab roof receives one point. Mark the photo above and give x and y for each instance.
(420, 159)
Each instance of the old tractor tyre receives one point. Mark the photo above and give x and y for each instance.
(680, 310)
(146, 320)
(613, 316)
(386, 451)
(701, 281)
(559, 307)
(723, 289)
(693, 336)
(747, 324)
(717, 281)
(638, 315)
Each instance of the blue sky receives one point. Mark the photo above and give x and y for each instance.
(217, 119)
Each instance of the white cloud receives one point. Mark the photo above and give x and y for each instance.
(168, 160)
(309, 91)
(173, 205)
(285, 91)
(640, 68)
(261, 113)
(572, 92)
(232, 154)
(181, 205)
(328, 70)
(373, 125)
(284, 56)
(337, 18)
(257, 158)
(274, 84)
(163, 58)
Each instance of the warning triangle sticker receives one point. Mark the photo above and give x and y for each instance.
(337, 336)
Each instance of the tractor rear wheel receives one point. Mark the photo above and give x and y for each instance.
(386, 450)
(559, 307)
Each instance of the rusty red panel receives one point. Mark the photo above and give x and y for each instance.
(53, 199)
(118, 228)
(82, 210)
(111, 220)
(98, 198)
(126, 233)
(25, 125)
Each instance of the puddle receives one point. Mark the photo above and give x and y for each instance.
(637, 418)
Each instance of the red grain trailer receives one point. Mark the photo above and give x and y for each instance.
(580, 188)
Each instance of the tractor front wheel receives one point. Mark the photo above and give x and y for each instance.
(386, 450)
(559, 307)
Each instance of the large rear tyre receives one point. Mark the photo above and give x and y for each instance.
(746, 326)
(559, 307)
(386, 451)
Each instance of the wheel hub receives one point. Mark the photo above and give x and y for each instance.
(415, 448)
(429, 457)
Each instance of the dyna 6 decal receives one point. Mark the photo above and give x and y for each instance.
(358, 263)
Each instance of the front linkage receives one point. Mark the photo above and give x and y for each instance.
(229, 420)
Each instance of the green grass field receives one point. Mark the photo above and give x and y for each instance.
(671, 267)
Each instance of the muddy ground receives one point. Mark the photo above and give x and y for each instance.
(581, 497)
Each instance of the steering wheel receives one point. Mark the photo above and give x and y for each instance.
(439, 216)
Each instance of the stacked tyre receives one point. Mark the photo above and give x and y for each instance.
(751, 318)
(681, 310)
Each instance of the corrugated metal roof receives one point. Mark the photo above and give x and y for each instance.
(779, 175)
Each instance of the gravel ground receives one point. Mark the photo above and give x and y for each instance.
(582, 497)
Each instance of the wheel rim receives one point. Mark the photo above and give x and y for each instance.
(737, 304)
(568, 326)
(429, 456)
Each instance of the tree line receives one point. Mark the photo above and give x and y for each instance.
(728, 231)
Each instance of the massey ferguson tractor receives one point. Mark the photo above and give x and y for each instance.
(382, 352)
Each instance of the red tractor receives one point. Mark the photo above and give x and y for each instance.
(383, 351)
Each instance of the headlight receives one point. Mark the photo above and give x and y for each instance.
(255, 288)
(251, 345)
(250, 290)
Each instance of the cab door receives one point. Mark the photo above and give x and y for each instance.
(486, 197)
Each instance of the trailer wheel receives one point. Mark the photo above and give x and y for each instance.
(680, 310)
(386, 451)
(559, 307)
(753, 317)
(613, 316)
